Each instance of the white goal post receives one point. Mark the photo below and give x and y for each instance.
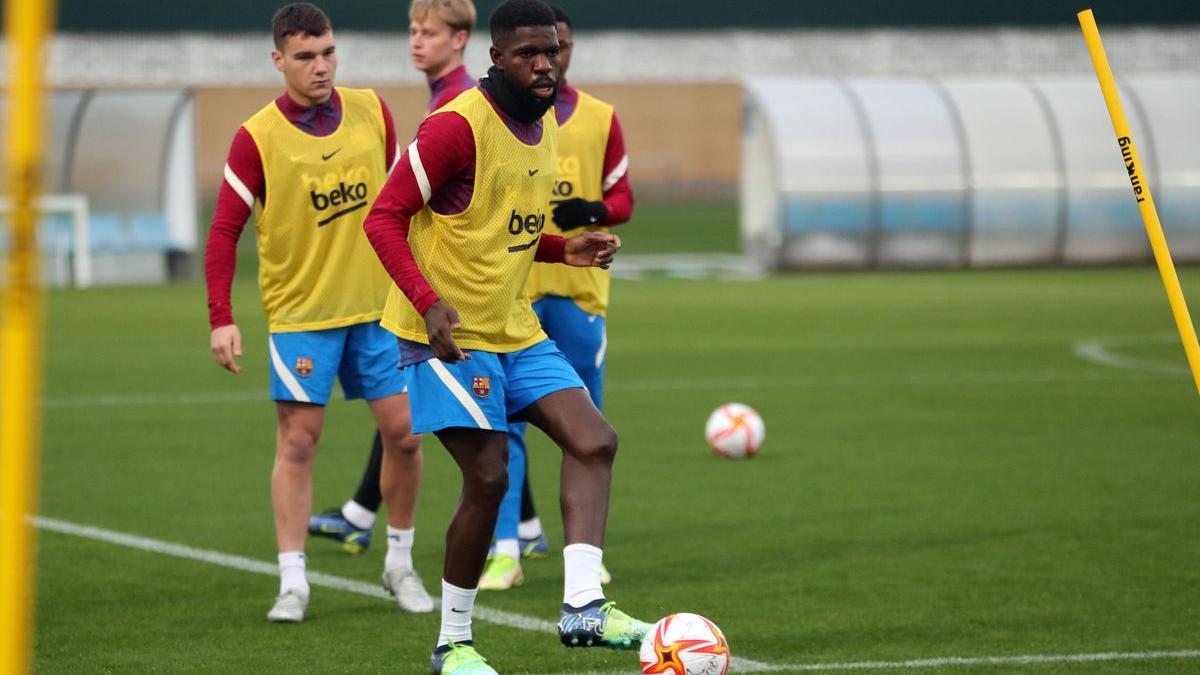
(77, 206)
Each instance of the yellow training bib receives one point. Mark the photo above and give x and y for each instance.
(316, 269)
(478, 260)
(582, 141)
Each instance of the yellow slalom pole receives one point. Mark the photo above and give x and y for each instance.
(27, 22)
(1141, 192)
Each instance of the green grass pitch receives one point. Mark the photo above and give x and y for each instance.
(942, 476)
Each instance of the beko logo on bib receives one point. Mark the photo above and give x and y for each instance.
(528, 224)
(337, 189)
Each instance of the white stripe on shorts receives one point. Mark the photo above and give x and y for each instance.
(600, 353)
(289, 380)
(461, 394)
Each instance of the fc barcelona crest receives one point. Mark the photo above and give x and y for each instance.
(482, 386)
(304, 366)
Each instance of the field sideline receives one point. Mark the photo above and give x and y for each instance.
(958, 464)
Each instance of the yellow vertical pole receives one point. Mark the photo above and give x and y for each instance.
(27, 22)
(1141, 192)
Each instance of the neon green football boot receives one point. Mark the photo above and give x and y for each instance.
(600, 624)
(502, 573)
(460, 659)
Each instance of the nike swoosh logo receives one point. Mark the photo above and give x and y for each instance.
(326, 157)
(533, 172)
(458, 611)
(523, 247)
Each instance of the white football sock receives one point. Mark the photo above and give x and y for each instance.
(508, 547)
(530, 529)
(291, 572)
(399, 553)
(457, 605)
(358, 515)
(581, 574)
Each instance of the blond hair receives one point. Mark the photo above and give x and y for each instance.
(458, 14)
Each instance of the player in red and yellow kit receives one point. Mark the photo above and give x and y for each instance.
(438, 31)
(591, 191)
(458, 227)
(313, 160)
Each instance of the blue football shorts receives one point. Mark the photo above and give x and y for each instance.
(487, 391)
(364, 357)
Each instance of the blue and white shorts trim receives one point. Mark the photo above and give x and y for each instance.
(363, 357)
(488, 390)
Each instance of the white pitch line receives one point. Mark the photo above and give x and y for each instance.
(1101, 351)
(243, 564)
(514, 620)
(951, 661)
(1031, 659)
(237, 562)
(137, 399)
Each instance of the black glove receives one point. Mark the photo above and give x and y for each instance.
(572, 213)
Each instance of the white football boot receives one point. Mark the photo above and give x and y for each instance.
(289, 607)
(405, 584)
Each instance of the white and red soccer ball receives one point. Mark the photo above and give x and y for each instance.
(685, 644)
(734, 430)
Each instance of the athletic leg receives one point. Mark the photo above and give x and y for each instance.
(291, 500)
(482, 458)
(291, 478)
(582, 338)
(464, 404)
(303, 368)
(589, 447)
(400, 477)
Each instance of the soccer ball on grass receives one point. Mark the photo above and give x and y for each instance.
(734, 430)
(685, 644)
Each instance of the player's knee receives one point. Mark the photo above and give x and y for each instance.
(600, 445)
(298, 446)
(410, 444)
(491, 484)
(401, 441)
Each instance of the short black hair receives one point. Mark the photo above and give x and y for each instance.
(514, 14)
(298, 18)
(561, 17)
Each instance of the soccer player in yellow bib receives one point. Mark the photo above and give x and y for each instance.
(458, 227)
(313, 160)
(591, 191)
